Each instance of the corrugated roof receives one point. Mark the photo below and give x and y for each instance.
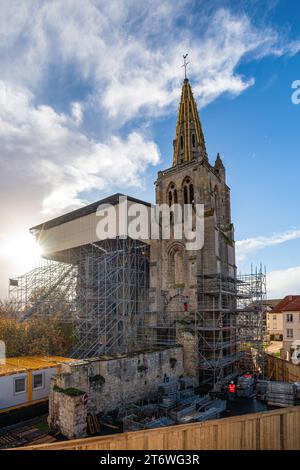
(86, 210)
(22, 364)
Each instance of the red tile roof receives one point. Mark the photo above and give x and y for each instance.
(291, 303)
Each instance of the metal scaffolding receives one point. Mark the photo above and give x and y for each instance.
(102, 288)
(230, 325)
(251, 318)
(216, 329)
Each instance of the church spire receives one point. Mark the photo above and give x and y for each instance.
(189, 143)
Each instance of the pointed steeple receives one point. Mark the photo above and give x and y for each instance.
(219, 163)
(189, 143)
(219, 167)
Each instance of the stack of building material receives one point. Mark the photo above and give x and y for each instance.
(245, 386)
(159, 423)
(168, 391)
(261, 389)
(281, 394)
(212, 410)
(168, 401)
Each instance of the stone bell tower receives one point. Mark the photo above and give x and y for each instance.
(177, 275)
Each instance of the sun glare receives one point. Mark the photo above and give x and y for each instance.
(22, 250)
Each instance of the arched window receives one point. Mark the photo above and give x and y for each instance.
(185, 195)
(171, 195)
(175, 196)
(188, 191)
(175, 261)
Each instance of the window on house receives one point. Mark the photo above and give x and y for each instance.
(289, 317)
(289, 333)
(38, 381)
(20, 385)
(274, 317)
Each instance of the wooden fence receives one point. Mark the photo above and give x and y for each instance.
(270, 430)
(279, 369)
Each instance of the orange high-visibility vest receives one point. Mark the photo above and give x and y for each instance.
(231, 388)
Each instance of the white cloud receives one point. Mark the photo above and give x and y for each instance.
(46, 146)
(283, 282)
(130, 51)
(77, 112)
(251, 245)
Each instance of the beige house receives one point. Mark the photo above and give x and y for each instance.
(289, 309)
(274, 321)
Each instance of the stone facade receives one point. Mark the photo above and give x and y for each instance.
(107, 383)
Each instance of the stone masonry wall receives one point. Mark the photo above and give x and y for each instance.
(104, 384)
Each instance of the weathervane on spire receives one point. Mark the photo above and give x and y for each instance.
(185, 64)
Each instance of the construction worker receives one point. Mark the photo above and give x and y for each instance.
(231, 391)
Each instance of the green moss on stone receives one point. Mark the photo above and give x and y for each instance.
(71, 391)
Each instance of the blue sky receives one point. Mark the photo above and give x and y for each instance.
(88, 104)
